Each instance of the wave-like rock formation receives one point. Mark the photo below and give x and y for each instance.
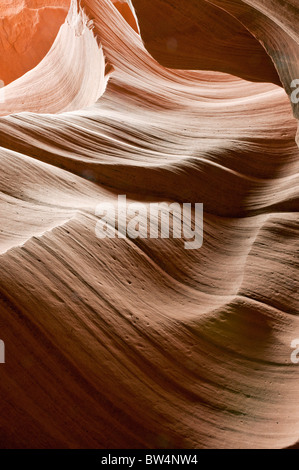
(70, 77)
(122, 343)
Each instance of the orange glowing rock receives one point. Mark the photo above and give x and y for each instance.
(27, 31)
(126, 11)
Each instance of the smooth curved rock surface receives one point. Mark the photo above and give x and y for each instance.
(121, 343)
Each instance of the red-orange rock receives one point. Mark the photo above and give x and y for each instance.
(27, 31)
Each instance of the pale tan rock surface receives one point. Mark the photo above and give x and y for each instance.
(122, 343)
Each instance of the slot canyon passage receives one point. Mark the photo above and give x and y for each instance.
(140, 343)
